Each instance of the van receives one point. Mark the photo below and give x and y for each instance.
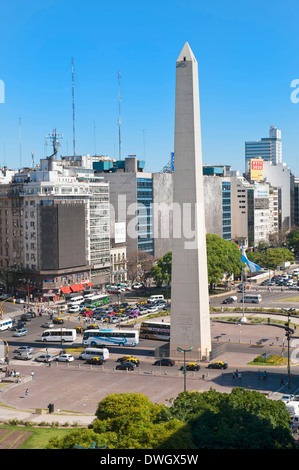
(88, 353)
(79, 299)
(154, 298)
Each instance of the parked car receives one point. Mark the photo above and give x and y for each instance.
(48, 324)
(218, 365)
(124, 317)
(287, 397)
(191, 366)
(21, 332)
(64, 358)
(23, 349)
(44, 358)
(125, 366)
(164, 362)
(95, 361)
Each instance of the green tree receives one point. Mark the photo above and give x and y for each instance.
(292, 241)
(161, 272)
(223, 257)
(241, 419)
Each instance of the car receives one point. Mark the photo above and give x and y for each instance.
(23, 349)
(26, 356)
(95, 361)
(20, 301)
(152, 309)
(18, 325)
(114, 320)
(125, 366)
(129, 358)
(44, 358)
(124, 317)
(191, 366)
(287, 397)
(74, 309)
(164, 362)
(58, 320)
(218, 365)
(21, 332)
(64, 358)
(48, 324)
(26, 317)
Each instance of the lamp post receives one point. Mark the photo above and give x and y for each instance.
(289, 331)
(184, 369)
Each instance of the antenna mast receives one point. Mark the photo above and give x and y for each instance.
(119, 118)
(73, 98)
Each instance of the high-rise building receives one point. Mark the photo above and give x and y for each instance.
(55, 228)
(268, 148)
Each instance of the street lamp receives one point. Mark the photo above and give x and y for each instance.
(184, 369)
(289, 331)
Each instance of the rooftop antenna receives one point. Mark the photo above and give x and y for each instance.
(53, 139)
(32, 158)
(119, 118)
(20, 142)
(73, 98)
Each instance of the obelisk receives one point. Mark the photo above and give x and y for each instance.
(190, 315)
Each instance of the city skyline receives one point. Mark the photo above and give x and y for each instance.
(247, 61)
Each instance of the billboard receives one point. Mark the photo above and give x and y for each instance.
(120, 232)
(256, 169)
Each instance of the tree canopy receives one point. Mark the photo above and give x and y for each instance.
(241, 419)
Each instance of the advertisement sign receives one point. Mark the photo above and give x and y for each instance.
(120, 232)
(256, 169)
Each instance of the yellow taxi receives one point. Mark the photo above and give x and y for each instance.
(129, 358)
(191, 366)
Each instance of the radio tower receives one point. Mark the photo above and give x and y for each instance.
(73, 98)
(119, 118)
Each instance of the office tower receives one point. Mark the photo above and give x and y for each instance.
(269, 149)
(190, 315)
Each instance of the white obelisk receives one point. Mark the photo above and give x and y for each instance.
(190, 315)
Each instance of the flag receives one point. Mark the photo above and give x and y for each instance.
(252, 266)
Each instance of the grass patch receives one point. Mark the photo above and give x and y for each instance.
(40, 437)
(290, 299)
(269, 360)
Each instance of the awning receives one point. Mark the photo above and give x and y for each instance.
(77, 287)
(65, 290)
(89, 284)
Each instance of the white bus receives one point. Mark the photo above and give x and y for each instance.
(102, 353)
(254, 298)
(113, 337)
(59, 334)
(5, 324)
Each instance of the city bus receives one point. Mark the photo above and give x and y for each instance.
(59, 334)
(96, 300)
(106, 337)
(155, 330)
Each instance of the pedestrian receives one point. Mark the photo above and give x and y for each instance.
(32, 375)
(26, 393)
(264, 375)
(281, 381)
(259, 375)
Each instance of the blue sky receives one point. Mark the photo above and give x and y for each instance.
(247, 55)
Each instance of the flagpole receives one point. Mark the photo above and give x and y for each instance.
(243, 319)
